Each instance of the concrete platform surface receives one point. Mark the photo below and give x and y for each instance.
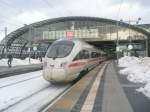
(102, 90)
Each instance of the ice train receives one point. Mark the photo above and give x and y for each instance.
(66, 59)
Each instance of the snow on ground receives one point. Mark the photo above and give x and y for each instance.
(14, 93)
(16, 62)
(137, 71)
(145, 89)
(19, 78)
(29, 92)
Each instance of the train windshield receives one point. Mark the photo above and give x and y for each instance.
(60, 49)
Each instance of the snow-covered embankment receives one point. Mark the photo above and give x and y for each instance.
(137, 71)
(17, 62)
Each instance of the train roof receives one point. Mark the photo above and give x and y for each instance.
(82, 43)
(76, 40)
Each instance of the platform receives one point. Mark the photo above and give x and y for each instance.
(102, 90)
(15, 70)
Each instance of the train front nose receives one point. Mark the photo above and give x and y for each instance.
(58, 75)
(54, 73)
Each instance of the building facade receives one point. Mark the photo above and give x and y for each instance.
(34, 39)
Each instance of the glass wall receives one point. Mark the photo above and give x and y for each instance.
(84, 29)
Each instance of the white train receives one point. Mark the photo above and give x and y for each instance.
(66, 59)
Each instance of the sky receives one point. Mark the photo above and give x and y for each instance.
(16, 13)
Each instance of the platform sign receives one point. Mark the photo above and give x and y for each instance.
(70, 34)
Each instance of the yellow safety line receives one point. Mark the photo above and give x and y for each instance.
(89, 102)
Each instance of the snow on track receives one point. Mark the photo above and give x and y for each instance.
(9, 81)
(27, 92)
(38, 101)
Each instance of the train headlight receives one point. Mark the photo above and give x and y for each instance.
(63, 64)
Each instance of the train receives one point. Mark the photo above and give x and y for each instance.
(66, 59)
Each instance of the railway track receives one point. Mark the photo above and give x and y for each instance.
(10, 84)
(6, 109)
(24, 105)
(5, 83)
(33, 98)
(33, 93)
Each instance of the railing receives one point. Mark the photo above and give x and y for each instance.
(18, 52)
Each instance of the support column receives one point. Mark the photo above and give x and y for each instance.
(147, 49)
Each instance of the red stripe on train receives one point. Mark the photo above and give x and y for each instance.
(76, 64)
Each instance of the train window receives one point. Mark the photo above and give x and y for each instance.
(60, 49)
(84, 54)
(94, 55)
(78, 56)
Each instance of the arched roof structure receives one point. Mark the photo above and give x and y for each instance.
(97, 28)
(15, 34)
